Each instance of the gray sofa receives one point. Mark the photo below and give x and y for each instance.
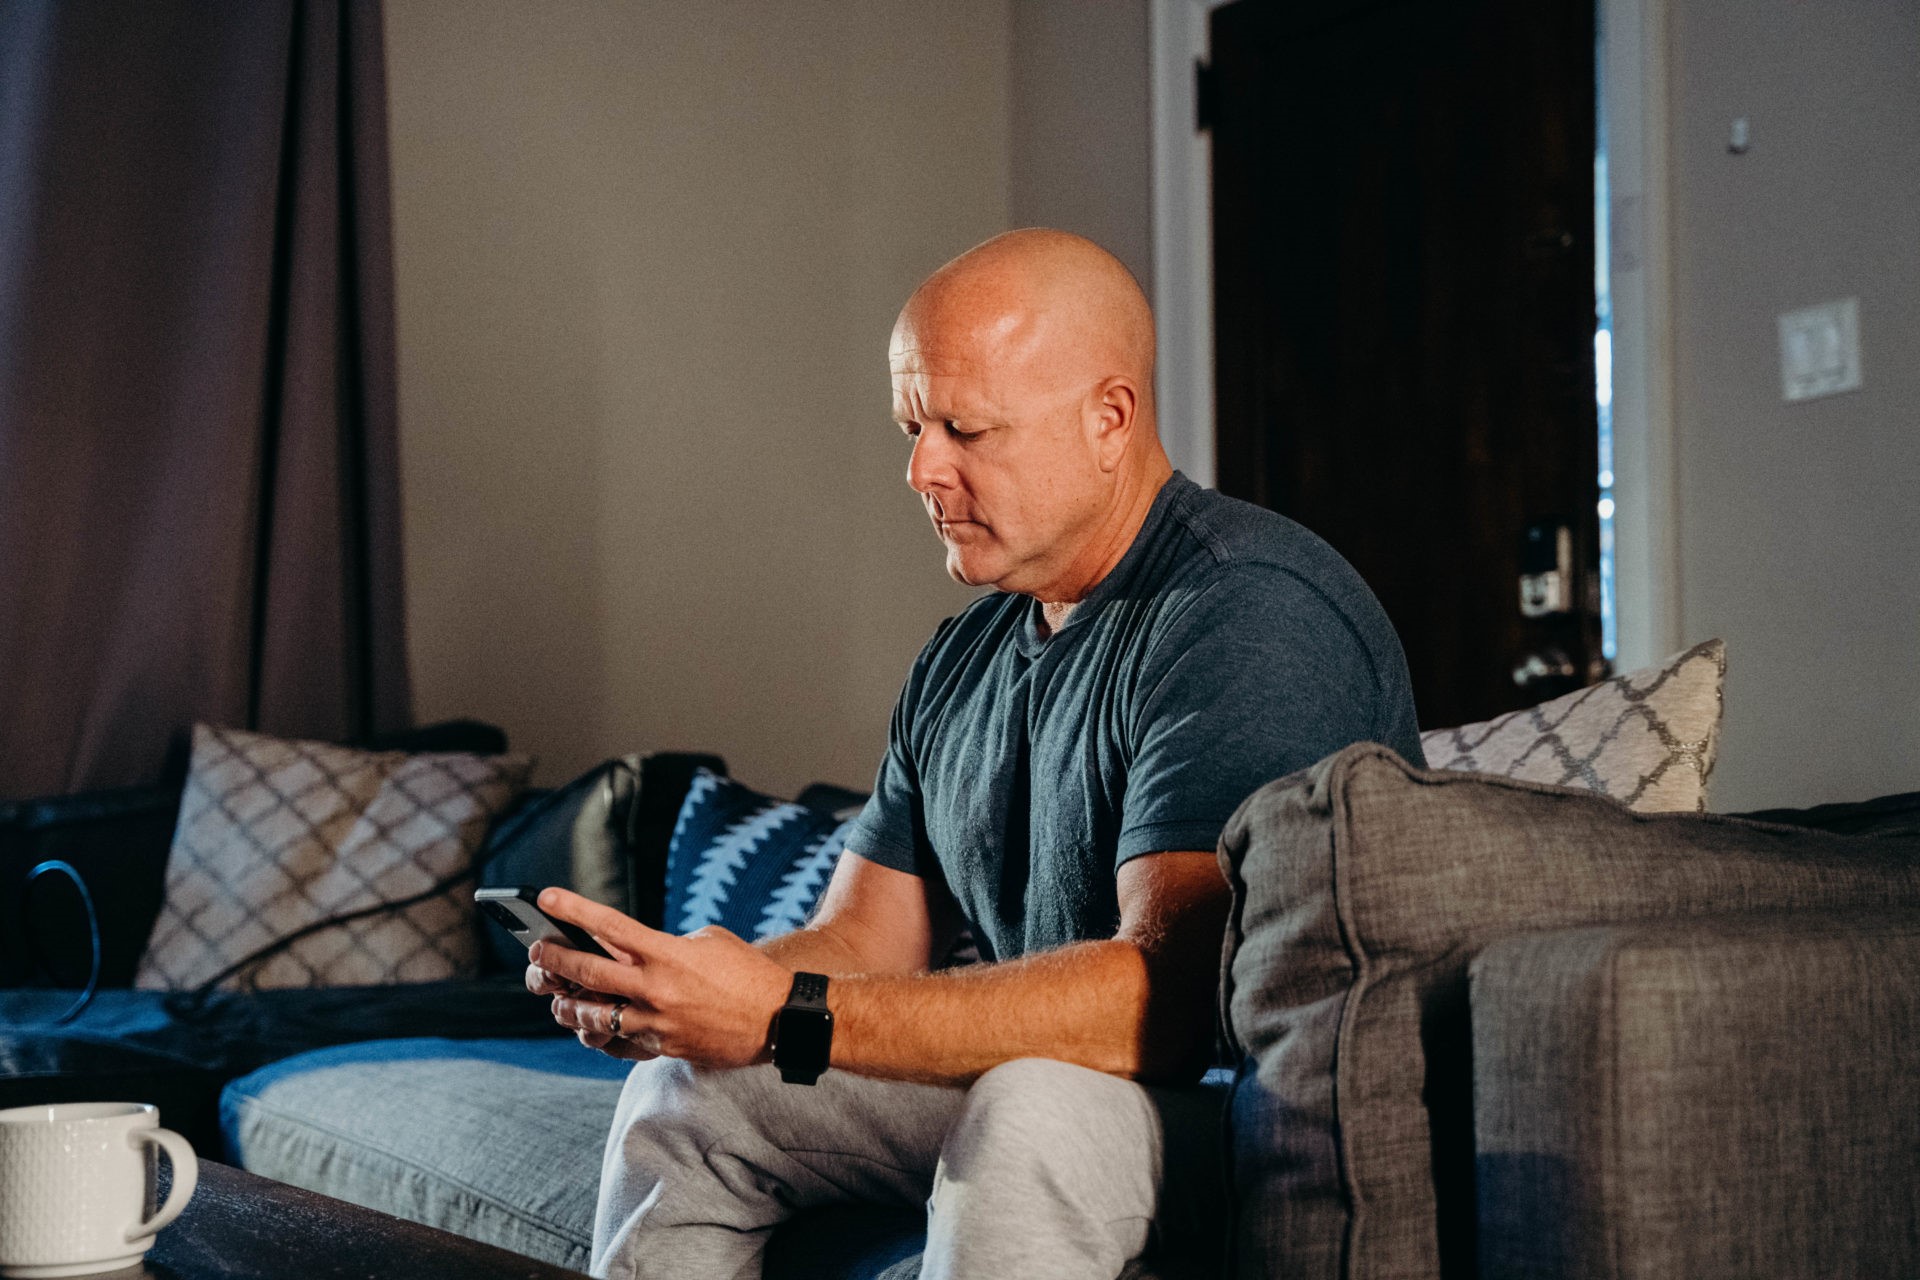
(1485, 1027)
(1515, 1030)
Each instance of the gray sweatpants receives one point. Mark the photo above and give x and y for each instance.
(1040, 1169)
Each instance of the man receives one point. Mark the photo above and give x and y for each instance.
(1060, 765)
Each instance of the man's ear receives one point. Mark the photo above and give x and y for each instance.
(1111, 416)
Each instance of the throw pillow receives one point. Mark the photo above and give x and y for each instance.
(578, 836)
(1362, 890)
(745, 861)
(275, 835)
(1646, 738)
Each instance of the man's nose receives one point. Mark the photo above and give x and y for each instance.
(930, 465)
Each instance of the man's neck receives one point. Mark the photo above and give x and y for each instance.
(1110, 542)
(1054, 616)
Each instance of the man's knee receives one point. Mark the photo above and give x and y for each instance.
(664, 1084)
(657, 1088)
(669, 1103)
(1025, 1117)
(1041, 1085)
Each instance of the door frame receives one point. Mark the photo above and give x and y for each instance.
(1635, 35)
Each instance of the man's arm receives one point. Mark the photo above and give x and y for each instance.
(872, 919)
(1139, 1004)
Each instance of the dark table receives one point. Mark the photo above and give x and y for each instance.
(240, 1227)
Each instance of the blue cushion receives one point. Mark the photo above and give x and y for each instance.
(746, 861)
(496, 1140)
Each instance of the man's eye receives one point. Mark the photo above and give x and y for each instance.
(911, 430)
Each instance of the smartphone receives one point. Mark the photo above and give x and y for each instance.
(512, 908)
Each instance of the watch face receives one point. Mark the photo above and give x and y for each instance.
(805, 1036)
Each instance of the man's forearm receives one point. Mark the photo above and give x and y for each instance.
(816, 951)
(1136, 1005)
(1098, 1004)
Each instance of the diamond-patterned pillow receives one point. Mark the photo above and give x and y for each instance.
(1646, 738)
(275, 835)
(750, 863)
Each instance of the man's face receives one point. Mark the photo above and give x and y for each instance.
(1002, 458)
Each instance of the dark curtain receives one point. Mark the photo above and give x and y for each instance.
(199, 505)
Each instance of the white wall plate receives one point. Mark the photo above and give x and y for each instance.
(1820, 350)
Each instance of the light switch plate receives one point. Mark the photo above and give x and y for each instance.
(1820, 350)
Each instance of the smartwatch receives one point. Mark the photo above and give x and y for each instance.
(803, 1030)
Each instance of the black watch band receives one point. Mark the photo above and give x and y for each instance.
(803, 1030)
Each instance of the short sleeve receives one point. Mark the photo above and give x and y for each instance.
(1259, 676)
(892, 830)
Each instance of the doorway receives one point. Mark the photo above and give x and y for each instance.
(1404, 302)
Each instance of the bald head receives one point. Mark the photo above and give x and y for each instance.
(1023, 373)
(1046, 305)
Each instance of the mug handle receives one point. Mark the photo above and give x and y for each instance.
(186, 1176)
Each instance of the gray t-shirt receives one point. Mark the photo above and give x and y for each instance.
(1228, 647)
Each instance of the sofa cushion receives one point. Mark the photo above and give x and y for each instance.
(1362, 888)
(1610, 1143)
(177, 1051)
(746, 861)
(276, 835)
(579, 836)
(1646, 738)
(495, 1140)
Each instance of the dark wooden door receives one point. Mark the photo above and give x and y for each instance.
(1404, 284)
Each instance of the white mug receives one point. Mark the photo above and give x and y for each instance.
(74, 1184)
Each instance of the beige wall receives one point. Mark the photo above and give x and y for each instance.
(1081, 132)
(1799, 524)
(648, 255)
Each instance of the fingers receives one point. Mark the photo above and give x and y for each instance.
(610, 1019)
(627, 935)
(590, 973)
(618, 952)
(625, 1050)
(592, 1022)
(544, 982)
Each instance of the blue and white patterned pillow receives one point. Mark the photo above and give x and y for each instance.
(747, 862)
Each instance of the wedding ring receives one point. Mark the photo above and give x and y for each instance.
(619, 1007)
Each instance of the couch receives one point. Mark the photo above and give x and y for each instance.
(1499, 1028)
(1522, 1010)
(427, 1073)
(1482, 1026)
(171, 1048)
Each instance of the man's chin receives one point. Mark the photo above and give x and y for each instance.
(968, 571)
(959, 574)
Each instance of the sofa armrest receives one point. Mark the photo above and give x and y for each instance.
(118, 842)
(1705, 1098)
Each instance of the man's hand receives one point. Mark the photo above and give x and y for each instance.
(709, 997)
